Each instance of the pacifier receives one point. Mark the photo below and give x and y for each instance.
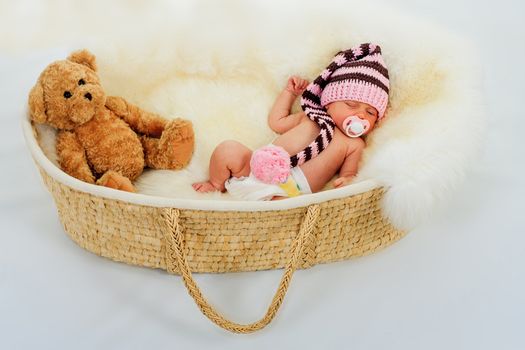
(355, 126)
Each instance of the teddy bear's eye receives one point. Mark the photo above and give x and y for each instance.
(67, 94)
(81, 82)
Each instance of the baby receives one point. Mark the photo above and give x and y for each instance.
(341, 105)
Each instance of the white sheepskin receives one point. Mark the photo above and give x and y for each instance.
(221, 65)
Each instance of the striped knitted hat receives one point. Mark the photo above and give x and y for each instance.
(358, 74)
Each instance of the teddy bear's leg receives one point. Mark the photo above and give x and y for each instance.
(139, 120)
(174, 148)
(72, 157)
(115, 180)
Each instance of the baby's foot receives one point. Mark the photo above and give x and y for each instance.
(203, 187)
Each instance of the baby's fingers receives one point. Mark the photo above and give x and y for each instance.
(304, 84)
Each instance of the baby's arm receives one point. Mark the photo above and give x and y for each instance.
(349, 168)
(279, 119)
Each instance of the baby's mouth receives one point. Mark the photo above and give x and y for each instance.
(355, 126)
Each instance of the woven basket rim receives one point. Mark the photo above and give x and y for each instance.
(182, 203)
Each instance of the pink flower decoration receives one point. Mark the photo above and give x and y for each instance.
(270, 164)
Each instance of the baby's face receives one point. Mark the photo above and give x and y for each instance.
(340, 110)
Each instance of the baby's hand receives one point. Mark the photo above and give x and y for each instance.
(343, 181)
(296, 85)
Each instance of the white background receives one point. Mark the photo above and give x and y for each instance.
(456, 282)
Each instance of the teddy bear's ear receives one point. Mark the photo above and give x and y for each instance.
(36, 104)
(84, 57)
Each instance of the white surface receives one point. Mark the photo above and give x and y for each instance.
(456, 282)
(205, 76)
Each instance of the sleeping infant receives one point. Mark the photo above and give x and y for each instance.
(339, 107)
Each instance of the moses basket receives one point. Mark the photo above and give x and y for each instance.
(402, 179)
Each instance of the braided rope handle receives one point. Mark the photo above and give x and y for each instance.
(176, 250)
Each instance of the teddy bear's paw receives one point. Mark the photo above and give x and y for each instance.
(113, 179)
(117, 105)
(177, 143)
(178, 130)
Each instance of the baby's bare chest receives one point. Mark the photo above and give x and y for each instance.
(299, 137)
(320, 169)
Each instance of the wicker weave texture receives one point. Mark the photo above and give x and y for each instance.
(222, 241)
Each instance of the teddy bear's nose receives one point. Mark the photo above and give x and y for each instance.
(88, 96)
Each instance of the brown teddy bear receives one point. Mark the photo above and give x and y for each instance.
(104, 140)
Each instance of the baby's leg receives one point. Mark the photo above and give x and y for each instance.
(230, 158)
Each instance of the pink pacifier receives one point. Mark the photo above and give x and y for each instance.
(355, 126)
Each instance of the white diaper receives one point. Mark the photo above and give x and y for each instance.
(251, 189)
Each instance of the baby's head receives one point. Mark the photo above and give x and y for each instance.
(356, 94)
(352, 117)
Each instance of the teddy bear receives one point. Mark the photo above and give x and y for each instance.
(101, 139)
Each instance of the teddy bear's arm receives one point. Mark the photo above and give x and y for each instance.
(72, 157)
(140, 121)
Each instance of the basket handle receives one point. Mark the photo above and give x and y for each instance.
(176, 250)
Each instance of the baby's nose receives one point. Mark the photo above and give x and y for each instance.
(88, 96)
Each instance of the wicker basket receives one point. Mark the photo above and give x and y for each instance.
(185, 236)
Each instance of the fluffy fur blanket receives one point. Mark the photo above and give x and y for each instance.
(221, 64)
